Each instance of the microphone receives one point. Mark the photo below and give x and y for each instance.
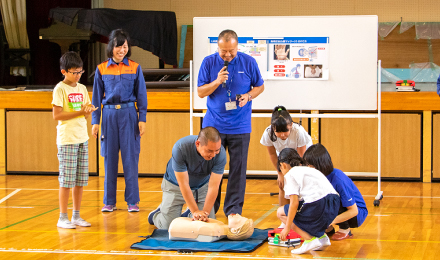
(225, 64)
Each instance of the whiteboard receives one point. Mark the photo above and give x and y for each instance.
(352, 59)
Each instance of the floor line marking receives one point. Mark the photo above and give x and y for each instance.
(265, 215)
(137, 253)
(74, 231)
(15, 207)
(24, 220)
(149, 253)
(10, 195)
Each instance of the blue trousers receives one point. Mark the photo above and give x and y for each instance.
(120, 131)
(238, 146)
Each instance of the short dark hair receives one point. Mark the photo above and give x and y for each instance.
(208, 134)
(291, 157)
(70, 60)
(227, 35)
(117, 38)
(280, 120)
(318, 157)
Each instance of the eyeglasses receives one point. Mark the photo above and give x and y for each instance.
(77, 73)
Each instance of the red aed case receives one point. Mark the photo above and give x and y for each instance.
(405, 83)
(291, 235)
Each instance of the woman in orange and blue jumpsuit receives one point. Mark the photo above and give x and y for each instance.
(118, 84)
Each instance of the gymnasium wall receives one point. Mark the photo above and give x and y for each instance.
(387, 10)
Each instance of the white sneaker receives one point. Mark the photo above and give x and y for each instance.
(325, 242)
(282, 225)
(80, 222)
(65, 223)
(307, 246)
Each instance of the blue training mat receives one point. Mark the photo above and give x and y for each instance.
(159, 240)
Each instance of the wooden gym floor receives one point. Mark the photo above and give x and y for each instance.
(406, 225)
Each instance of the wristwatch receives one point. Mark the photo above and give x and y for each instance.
(250, 97)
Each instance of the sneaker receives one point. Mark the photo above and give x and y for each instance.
(282, 226)
(325, 242)
(341, 236)
(65, 223)
(108, 208)
(151, 215)
(186, 213)
(133, 208)
(80, 222)
(308, 245)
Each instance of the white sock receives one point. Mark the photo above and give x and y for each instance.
(345, 231)
(63, 216)
(75, 214)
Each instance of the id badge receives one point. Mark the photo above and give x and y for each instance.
(231, 105)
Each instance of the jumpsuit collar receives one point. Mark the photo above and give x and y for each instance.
(111, 61)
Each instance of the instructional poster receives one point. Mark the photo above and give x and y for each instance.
(288, 58)
(256, 49)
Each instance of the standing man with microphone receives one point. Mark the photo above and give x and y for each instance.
(227, 78)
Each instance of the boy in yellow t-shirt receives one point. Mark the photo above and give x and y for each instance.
(71, 107)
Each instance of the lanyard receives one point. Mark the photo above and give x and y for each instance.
(228, 86)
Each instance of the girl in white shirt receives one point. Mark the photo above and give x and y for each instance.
(314, 203)
(284, 133)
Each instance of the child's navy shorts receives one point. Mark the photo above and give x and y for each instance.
(314, 218)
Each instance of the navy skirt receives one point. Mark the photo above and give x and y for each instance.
(314, 218)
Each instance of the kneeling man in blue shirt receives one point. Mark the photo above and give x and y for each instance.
(193, 176)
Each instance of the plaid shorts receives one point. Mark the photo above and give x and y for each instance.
(74, 165)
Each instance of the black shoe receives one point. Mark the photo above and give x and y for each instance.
(331, 232)
(151, 215)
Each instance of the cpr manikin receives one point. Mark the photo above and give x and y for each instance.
(239, 228)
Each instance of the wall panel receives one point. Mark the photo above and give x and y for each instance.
(352, 144)
(31, 142)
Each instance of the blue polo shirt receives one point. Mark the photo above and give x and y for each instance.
(243, 75)
(349, 193)
(186, 158)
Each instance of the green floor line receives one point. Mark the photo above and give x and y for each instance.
(32, 217)
(265, 215)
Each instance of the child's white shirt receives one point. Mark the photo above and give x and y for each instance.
(308, 183)
(298, 137)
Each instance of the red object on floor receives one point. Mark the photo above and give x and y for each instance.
(410, 82)
(292, 234)
(341, 236)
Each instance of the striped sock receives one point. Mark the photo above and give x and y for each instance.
(63, 216)
(75, 214)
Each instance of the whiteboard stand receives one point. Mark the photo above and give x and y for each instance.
(379, 195)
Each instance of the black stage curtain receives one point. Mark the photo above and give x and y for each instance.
(154, 31)
(45, 55)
